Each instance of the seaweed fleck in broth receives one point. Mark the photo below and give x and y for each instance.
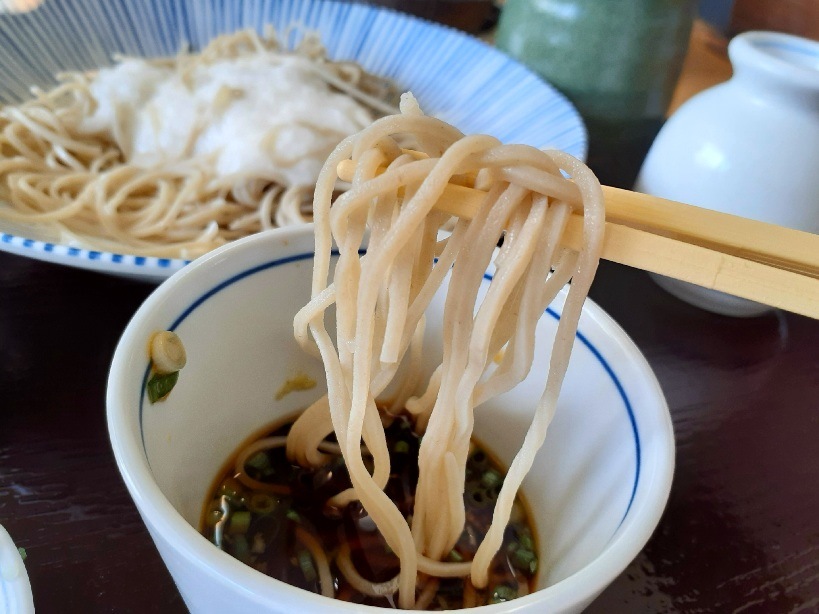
(259, 526)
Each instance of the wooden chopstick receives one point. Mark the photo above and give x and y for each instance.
(783, 248)
(761, 262)
(705, 267)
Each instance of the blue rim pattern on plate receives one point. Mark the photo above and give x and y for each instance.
(454, 76)
(309, 255)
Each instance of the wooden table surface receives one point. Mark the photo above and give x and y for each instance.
(740, 533)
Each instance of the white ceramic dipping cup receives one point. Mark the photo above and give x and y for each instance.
(596, 490)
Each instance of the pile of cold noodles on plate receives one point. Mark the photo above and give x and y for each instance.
(173, 157)
(381, 297)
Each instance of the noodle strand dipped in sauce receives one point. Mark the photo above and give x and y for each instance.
(380, 299)
(373, 363)
(274, 515)
(173, 157)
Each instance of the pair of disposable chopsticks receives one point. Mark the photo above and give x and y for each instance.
(761, 262)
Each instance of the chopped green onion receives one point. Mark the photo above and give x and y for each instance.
(491, 478)
(160, 385)
(307, 566)
(478, 495)
(22, 552)
(524, 560)
(258, 461)
(455, 556)
(239, 523)
(261, 503)
(401, 447)
(526, 540)
(293, 515)
(503, 593)
(167, 352)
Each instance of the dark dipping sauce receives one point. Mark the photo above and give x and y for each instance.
(260, 528)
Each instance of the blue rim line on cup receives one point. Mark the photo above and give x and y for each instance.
(308, 255)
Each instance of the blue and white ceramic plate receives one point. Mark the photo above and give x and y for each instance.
(454, 76)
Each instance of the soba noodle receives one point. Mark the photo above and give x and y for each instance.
(173, 157)
(380, 299)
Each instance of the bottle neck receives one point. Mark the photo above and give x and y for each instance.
(778, 67)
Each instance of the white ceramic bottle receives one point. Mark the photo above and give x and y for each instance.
(749, 147)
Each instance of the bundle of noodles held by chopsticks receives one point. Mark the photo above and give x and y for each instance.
(175, 156)
(380, 301)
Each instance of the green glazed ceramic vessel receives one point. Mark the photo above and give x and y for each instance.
(617, 60)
